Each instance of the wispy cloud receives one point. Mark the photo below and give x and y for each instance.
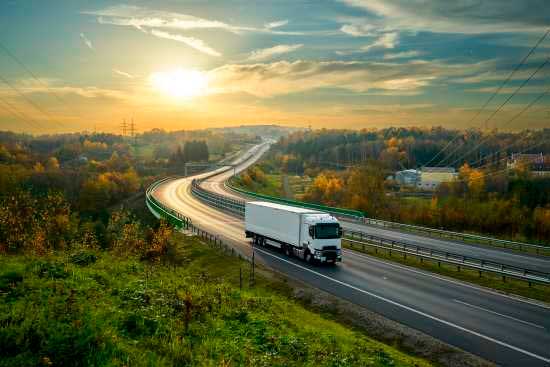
(268, 53)
(283, 77)
(358, 30)
(48, 86)
(387, 40)
(145, 18)
(276, 24)
(87, 42)
(193, 42)
(402, 55)
(135, 16)
(123, 73)
(467, 17)
(526, 90)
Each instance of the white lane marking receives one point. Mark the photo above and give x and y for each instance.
(499, 314)
(448, 323)
(355, 253)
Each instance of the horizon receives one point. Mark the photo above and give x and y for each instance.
(348, 64)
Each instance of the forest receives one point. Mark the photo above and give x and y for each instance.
(351, 169)
(62, 189)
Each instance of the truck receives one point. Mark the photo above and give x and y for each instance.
(311, 235)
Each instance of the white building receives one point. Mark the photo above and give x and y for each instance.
(432, 177)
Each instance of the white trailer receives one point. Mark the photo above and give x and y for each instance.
(305, 233)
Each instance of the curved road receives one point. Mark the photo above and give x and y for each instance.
(503, 329)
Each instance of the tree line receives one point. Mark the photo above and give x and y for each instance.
(351, 169)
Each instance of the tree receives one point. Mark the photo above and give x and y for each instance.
(52, 164)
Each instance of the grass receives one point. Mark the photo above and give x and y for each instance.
(489, 280)
(272, 186)
(93, 308)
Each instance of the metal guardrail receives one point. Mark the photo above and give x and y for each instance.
(521, 246)
(216, 200)
(432, 232)
(237, 207)
(446, 257)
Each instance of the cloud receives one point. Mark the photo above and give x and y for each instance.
(283, 77)
(87, 42)
(402, 55)
(387, 40)
(276, 24)
(390, 108)
(48, 86)
(358, 30)
(493, 75)
(193, 42)
(525, 90)
(135, 16)
(145, 18)
(267, 53)
(123, 73)
(467, 17)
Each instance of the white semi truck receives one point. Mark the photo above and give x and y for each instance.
(305, 233)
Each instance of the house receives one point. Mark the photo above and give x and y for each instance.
(536, 162)
(408, 177)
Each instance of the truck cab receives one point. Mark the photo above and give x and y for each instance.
(321, 236)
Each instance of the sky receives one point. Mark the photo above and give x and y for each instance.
(89, 65)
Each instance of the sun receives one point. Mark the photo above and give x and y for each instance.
(180, 83)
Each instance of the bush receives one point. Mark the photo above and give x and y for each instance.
(83, 258)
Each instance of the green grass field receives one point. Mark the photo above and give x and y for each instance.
(93, 308)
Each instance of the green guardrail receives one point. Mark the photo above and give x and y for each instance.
(173, 217)
(330, 209)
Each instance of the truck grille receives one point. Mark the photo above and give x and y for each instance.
(329, 248)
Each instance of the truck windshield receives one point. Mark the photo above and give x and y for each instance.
(325, 231)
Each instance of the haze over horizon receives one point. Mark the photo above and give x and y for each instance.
(79, 65)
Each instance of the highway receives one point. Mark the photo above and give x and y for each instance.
(506, 330)
(499, 255)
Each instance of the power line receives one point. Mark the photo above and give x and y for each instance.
(540, 67)
(38, 80)
(541, 39)
(533, 102)
(28, 100)
(19, 114)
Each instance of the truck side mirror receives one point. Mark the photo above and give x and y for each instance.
(312, 231)
(340, 232)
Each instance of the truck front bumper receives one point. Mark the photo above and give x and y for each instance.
(328, 256)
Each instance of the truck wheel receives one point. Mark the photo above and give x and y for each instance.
(288, 253)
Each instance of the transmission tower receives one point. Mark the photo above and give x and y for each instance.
(123, 127)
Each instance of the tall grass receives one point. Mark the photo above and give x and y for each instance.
(101, 309)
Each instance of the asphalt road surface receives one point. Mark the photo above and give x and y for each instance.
(506, 330)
